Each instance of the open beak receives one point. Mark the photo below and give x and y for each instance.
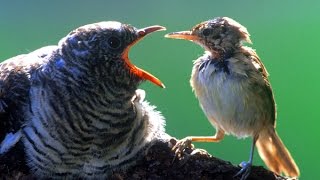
(134, 69)
(187, 35)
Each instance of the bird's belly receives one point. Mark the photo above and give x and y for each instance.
(54, 151)
(71, 143)
(232, 106)
(50, 158)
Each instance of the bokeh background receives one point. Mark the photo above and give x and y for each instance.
(285, 34)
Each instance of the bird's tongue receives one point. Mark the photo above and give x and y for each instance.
(134, 69)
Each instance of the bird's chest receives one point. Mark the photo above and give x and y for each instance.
(83, 132)
(226, 95)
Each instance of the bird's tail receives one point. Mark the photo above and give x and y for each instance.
(275, 154)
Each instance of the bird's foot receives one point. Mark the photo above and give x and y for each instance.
(180, 147)
(245, 170)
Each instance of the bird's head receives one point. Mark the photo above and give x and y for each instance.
(216, 35)
(109, 43)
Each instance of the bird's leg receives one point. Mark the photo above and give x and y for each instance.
(246, 166)
(186, 142)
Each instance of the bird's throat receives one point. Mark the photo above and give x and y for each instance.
(220, 65)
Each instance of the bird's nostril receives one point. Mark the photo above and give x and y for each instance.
(142, 33)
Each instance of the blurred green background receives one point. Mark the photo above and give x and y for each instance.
(285, 34)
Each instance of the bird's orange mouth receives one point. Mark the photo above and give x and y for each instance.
(134, 69)
(187, 35)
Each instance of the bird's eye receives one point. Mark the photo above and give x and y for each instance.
(206, 32)
(114, 42)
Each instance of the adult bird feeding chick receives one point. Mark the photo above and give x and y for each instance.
(75, 106)
(233, 89)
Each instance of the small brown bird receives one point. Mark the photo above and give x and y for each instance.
(234, 92)
(75, 108)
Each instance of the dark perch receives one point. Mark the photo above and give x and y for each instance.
(159, 164)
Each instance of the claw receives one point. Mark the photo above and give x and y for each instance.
(245, 170)
(180, 146)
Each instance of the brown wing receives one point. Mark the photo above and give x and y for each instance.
(260, 67)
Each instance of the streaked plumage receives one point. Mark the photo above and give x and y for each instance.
(233, 89)
(76, 104)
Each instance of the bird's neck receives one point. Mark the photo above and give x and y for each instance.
(110, 81)
(222, 49)
(95, 70)
(219, 54)
(216, 56)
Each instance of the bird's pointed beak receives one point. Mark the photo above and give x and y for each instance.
(135, 70)
(187, 35)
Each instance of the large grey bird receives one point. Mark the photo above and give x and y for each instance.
(75, 107)
(234, 92)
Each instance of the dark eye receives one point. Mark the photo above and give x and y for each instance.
(114, 42)
(206, 32)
